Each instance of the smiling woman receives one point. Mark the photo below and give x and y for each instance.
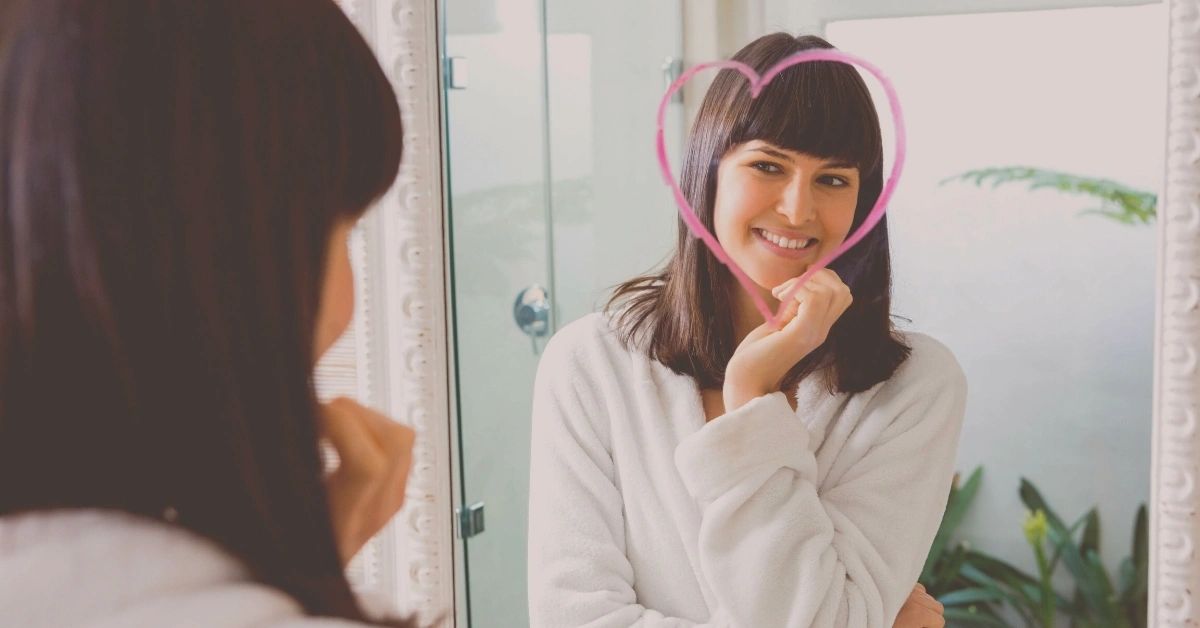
(679, 428)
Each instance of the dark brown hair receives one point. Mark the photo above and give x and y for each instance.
(171, 173)
(682, 315)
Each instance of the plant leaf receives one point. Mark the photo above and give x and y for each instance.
(1017, 599)
(1086, 580)
(1119, 202)
(1137, 598)
(947, 570)
(1070, 532)
(1022, 591)
(1091, 533)
(956, 507)
(1126, 579)
(972, 595)
(1141, 549)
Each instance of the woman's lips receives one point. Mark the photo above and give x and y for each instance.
(784, 251)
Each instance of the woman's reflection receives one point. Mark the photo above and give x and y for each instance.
(694, 465)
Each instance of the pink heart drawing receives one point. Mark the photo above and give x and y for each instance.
(757, 84)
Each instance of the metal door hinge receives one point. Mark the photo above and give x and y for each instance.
(672, 68)
(470, 520)
(457, 72)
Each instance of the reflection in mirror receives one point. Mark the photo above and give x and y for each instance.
(1022, 261)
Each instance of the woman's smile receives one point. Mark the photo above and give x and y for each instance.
(792, 246)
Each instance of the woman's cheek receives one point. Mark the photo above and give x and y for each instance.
(337, 296)
(343, 300)
(726, 212)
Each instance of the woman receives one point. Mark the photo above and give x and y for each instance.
(693, 465)
(177, 182)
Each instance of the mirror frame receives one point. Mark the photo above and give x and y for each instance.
(418, 562)
(411, 563)
(1175, 449)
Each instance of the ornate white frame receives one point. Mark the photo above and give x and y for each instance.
(1174, 569)
(400, 337)
(404, 339)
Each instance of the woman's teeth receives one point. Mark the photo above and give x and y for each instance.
(786, 242)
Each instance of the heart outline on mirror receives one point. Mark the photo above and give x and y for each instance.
(757, 84)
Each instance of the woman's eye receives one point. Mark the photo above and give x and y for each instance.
(834, 181)
(767, 167)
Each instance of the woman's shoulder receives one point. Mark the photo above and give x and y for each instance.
(589, 331)
(591, 359)
(931, 365)
(134, 571)
(590, 341)
(928, 389)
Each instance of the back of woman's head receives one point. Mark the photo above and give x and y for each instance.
(171, 173)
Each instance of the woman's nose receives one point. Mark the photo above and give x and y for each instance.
(798, 202)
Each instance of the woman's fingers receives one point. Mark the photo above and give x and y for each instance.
(930, 603)
(367, 488)
(788, 312)
(394, 439)
(358, 449)
(779, 291)
(920, 610)
(822, 282)
(396, 443)
(918, 617)
(765, 355)
(922, 597)
(819, 308)
(933, 620)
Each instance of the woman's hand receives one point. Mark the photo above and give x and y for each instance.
(766, 354)
(367, 488)
(920, 610)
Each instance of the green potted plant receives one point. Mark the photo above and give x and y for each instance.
(982, 590)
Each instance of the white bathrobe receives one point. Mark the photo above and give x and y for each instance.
(641, 514)
(103, 569)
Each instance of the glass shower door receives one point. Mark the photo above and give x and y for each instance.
(549, 114)
(495, 117)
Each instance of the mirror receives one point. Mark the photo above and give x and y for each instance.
(1022, 238)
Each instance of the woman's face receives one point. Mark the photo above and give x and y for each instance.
(337, 292)
(778, 211)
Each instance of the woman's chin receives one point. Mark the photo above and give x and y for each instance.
(771, 279)
(769, 274)
(768, 282)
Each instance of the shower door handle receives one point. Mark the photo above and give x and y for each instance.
(531, 311)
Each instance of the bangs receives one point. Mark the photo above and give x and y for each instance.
(817, 108)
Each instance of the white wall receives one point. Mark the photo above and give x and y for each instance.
(1050, 313)
(812, 15)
